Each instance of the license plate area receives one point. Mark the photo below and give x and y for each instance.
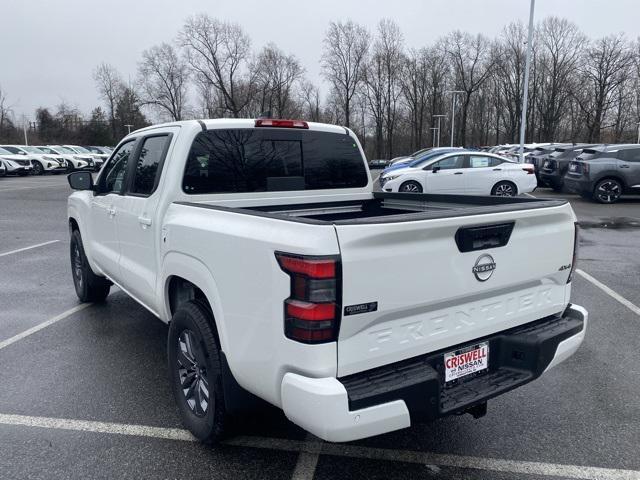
(466, 362)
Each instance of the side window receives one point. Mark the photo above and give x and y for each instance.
(148, 165)
(112, 179)
(450, 163)
(630, 155)
(479, 161)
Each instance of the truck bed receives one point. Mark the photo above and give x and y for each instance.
(390, 207)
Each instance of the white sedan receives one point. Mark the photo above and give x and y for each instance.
(464, 173)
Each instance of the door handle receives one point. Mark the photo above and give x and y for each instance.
(458, 173)
(624, 166)
(144, 221)
(497, 169)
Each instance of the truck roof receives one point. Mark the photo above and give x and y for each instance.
(213, 123)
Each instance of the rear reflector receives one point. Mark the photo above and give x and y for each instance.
(312, 311)
(268, 122)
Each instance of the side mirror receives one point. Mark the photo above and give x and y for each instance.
(435, 169)
(80, 180)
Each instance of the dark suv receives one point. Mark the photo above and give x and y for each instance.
(605, 173)
(536, 158)
(554, 165)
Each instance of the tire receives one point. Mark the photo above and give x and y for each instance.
(608, 190)
(410, 187)
(38, 169)
(504, 189)
(558, 187)
(89, 286)
(195, 372)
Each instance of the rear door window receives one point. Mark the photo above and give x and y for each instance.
(259, 160)
(630, 155)
(456, 161)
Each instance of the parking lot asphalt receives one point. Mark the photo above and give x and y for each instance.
(87, 395)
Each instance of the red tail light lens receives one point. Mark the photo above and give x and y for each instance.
(529, 169)
(268, 122)
(574, 259)
(312, 312)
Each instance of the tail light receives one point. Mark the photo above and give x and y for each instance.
(574, 259)
(268, 122)
(529, 169)
(312, 311)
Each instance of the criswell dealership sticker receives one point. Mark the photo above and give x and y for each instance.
(360, 308)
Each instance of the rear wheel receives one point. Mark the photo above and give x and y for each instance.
(195, 371)
(608, 190)
(38, 169)
(410, 187)
(504, 189)
(89, 286)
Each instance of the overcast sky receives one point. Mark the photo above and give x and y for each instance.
(49, 48)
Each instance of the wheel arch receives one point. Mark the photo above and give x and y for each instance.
(611, 176)
(186, 278)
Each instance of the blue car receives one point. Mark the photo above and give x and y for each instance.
(413, 161)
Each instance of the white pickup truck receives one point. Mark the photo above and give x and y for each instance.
(284, 276)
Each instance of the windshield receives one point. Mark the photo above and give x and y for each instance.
(429, 156)
(5, 152)
(48, 150)
(33, 150)
(65, 150)
(14, 150)
(81, 149)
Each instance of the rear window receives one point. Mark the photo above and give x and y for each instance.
(260, 160)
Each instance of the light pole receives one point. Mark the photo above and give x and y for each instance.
(454, 94)
(433, 140)
(638, 131)
(525, 94)
(128, 128)
(438, 117)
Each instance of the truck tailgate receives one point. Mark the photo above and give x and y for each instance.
(429, 295)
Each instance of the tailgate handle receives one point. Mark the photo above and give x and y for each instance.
(482, 237)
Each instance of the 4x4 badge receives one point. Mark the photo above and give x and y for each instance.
(484, 267)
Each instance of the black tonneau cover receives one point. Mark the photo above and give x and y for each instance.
(389, 208)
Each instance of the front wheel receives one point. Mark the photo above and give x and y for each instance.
(504, 189)
(410, 187)
(89, 286)
(196, 373)
(607, 191)
(38, 169)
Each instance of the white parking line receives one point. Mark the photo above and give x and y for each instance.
(308, 460)
(634, 308)
(37, 328)
(337, 450)
(31, 188)
(28, 248)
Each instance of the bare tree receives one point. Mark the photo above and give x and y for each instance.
(415, 84)
(345, 48)
(277, 76)
(5, 109)
(605, 69)
(219, 53)
(163, 80)
(560, 47)
(310, 100)
(110, 86)
(472, 62)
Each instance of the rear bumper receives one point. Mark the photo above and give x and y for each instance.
(578, 186)
(553, 179)
(388, 398)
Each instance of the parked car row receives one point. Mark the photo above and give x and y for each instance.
(450, 170)
(37, 160)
